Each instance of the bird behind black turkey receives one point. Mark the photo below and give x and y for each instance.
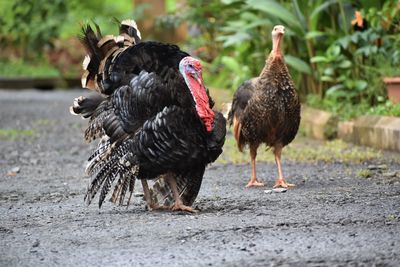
(266, 109)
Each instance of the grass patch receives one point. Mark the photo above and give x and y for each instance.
(303, 150)
(365, 173)
(15, 134)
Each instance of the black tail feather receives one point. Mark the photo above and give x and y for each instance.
(89, 39)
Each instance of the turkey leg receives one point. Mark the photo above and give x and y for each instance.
(170, 178)
(253, 180)
(147, 196)
(280, 182)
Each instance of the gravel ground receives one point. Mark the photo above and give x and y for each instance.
(333, 217)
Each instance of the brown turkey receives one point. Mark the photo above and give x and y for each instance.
(266, 109)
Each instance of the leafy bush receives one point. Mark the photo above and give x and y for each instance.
(346, 110)
(326, 55)
(31, 30)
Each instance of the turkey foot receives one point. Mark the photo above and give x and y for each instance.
(282, 183)
(180, 207)
(149, 201)
(178, 201)
(254, 183)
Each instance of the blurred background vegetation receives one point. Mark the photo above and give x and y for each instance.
(336, 64)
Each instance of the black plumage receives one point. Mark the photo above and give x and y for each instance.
(147, 120)
(266, 109)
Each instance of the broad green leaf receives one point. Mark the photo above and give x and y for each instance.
(321, 8)
(327, 79)
(298, 64)
(314, 34)
(360, 85)
(228, 2)
(334, 51)
(231, 64)
(299, 14)
(249, 16)
(332, 90)
(329, 71)
(234, 39)
(260, 22)
(277, 10)
(318, 59)
(345, 64)
(344, 42)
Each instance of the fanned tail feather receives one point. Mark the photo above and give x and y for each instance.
(106, 164)
(102, 52)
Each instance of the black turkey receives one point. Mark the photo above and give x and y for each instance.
(152, 115)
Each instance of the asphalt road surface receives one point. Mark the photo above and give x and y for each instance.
(333, 217)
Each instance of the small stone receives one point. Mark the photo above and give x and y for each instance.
(138, 194)
(36, 243)
(389, 174)
(14, 171)
(377, 167)
(279, 190)
(34, 161)
(345, 221)
(268, 191)
(382, 167)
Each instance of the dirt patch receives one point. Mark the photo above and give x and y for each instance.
(335, 215)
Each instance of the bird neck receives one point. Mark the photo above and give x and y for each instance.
(276, 45)
(275, 57)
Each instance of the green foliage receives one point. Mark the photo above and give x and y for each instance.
(32, 24)
(364, 173)
(29, 30)
(20, 68)
(326, 56)
(386, 109)
(346, 110)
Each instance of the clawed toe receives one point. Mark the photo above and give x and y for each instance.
(254, 184)
(181, 207)
(282, 183)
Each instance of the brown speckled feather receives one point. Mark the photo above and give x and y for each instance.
(267, 108)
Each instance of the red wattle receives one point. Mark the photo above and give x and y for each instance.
(203, 109)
